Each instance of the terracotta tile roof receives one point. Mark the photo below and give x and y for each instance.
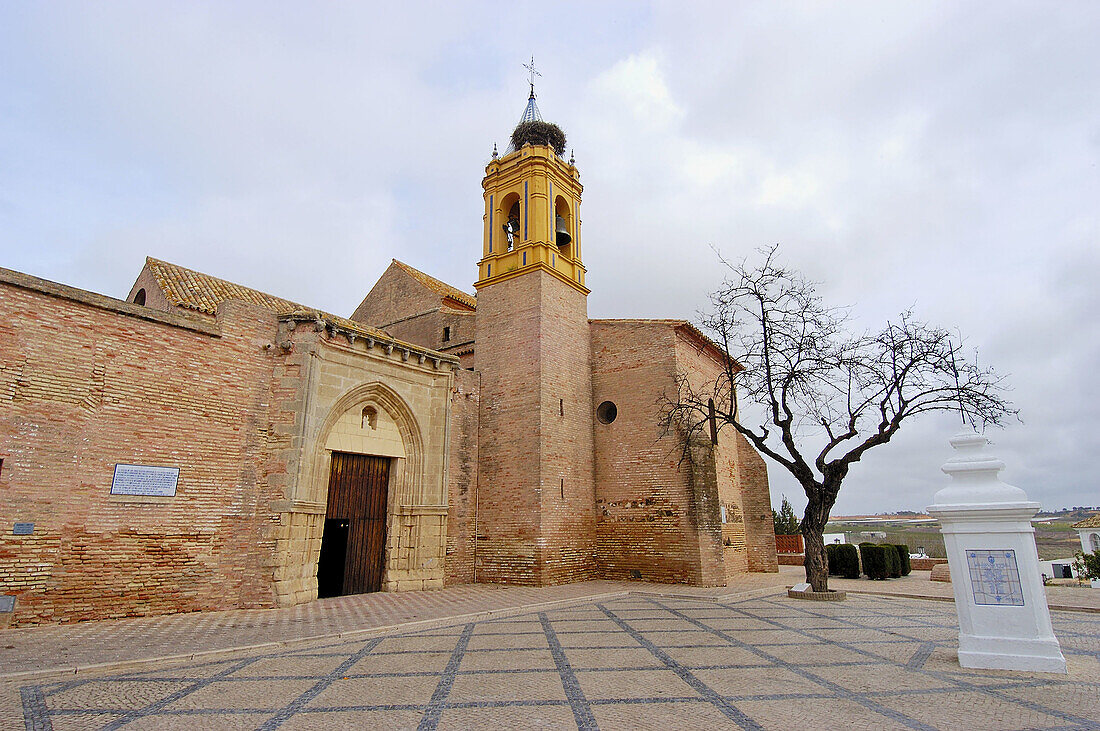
(1091, 522)
(197, 291)
(441, 288)
(193, 290)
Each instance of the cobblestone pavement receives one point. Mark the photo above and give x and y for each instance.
(86, 644)
(620, 662)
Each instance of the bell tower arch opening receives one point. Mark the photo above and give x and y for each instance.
(511, 229)
(563, 227)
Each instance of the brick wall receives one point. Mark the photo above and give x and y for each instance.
(535, 486)
(657, 516)
(427, 329)
(87, 382)
(742, 475)
(643, 494)
(394, 296)
(789, 544)
(752, 476)
(462, 478)
(715, 476)
(566, 426)
(409, 311)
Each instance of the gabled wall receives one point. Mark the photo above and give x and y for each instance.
(412, 312)
(648, 522)
(659, 517)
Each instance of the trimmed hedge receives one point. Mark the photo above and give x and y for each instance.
(834, 562)
(893, 560)
(903, 554)
(874, 560)
(843, 560)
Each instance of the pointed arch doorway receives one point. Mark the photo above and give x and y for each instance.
(353, 545)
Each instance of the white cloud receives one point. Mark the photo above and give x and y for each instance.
(934, 155)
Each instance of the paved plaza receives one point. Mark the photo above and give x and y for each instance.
(621, 661)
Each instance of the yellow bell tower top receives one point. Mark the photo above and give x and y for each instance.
(532, 207)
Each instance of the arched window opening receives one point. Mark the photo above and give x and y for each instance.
(139, 298)
(1095, 541)
(510, 233)
(563, 227)
(370, 417)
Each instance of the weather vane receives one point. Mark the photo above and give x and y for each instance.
(531, 74)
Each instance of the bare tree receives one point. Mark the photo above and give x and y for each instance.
(823, 389)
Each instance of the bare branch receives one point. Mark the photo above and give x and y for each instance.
(817, 382)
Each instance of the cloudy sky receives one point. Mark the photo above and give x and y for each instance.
(939, 156)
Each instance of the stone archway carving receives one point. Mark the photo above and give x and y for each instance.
(409, 477)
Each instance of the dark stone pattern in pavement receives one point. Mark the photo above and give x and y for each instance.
(633, 662)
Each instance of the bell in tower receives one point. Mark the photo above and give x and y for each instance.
(562, 231)
(532, 199)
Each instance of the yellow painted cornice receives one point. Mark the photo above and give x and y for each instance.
(537, 266)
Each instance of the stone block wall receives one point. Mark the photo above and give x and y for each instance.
(88, 382)
(323, 374)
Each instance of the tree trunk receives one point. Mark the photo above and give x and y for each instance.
(813, 526)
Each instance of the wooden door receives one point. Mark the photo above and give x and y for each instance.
(357, 493)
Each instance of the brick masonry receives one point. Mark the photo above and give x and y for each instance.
(88, 382)
(659, 510)
(644, 497)
(405, 308)
(536, 489)
(462, 480)
(246, 404)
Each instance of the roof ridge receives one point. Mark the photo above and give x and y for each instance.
(438, 285)
(184, 287)
(639, 319)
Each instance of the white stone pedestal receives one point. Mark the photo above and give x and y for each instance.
(1004, 621)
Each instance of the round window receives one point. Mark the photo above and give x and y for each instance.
(606, 412)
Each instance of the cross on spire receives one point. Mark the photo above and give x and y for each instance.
(531, 74)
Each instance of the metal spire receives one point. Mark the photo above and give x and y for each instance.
(532, 73)
(531, 111)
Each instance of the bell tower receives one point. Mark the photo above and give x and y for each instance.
(532, 205)
(536, 494)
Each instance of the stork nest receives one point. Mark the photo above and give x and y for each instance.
(539, 133)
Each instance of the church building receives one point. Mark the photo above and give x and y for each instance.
(204, 445)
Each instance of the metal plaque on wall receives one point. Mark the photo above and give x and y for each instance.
(138, 479)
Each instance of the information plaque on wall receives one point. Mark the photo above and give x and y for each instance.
(995, 578)
(139, 479)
